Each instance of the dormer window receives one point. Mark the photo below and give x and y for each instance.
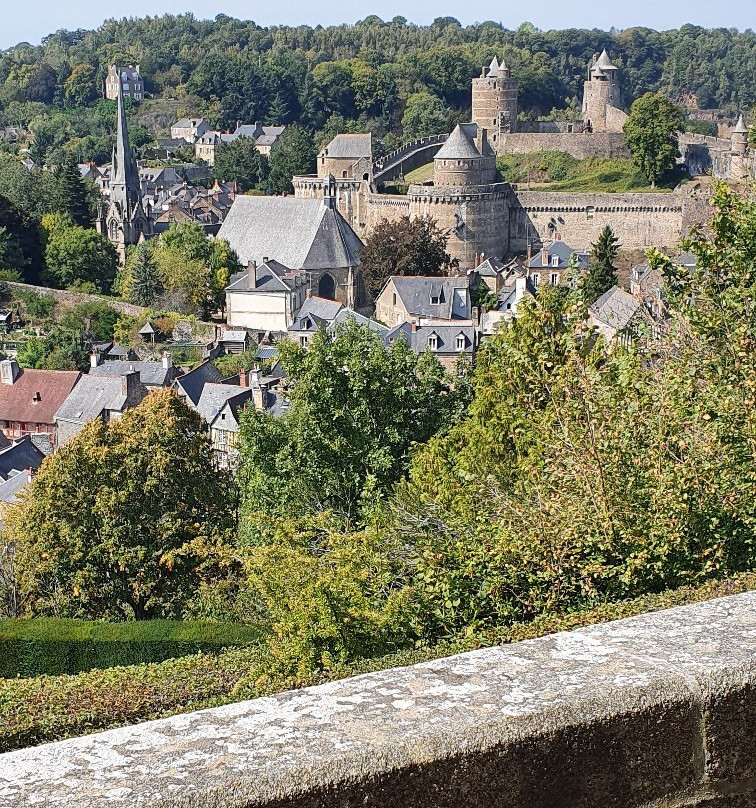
(433, 342)
(434, 300)
(461, 342)
(555, 260)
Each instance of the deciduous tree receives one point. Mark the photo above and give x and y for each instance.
(651, 134)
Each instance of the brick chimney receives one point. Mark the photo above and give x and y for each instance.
(545, 256)
(243, 378)
(530, 252)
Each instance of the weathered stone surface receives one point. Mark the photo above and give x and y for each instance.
(641, 711)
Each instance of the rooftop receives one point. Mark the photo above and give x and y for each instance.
(35, 395)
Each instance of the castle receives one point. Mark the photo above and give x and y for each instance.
(487, 217)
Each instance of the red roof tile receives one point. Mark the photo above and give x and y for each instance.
(17, 400)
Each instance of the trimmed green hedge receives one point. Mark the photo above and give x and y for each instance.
(46, 708)
(46, 646)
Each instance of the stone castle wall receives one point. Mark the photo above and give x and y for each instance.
(655, 710)
(579, 144)
(638, 220)
(68, 300)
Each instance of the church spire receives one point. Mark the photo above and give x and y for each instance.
(124, 184)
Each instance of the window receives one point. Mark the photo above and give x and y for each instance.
(589, 211)
(461, 342)
(536, 279)
(393, 299)
(555, 279)
(433, 342)
(434, 300)
(555, 260)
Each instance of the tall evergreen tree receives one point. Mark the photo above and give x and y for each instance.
(602, 274)
(145, 285)
(71, 195)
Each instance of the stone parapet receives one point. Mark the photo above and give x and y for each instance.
(657, 710)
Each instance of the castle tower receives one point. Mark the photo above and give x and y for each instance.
(123, 220)
(601, 97)
(739, 151)
(494, 101)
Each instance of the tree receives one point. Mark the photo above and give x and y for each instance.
(294, 154)
(424, 114)
(77, 254)
(404, 247)
(80, 87)
(651, 134)
(72, 197)
(357, 407)
(602, 274)
(108, 530)
(241, 162)
(20, 241)
(145, 285)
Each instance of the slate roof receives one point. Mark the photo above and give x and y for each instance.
(740, 127)
(346, 314)
(563, 251)
(215, 396)
(272, 276)
(604, 62)
(91, 397)
(10, 489)
(460, 145)
(416, 292)
(615, 308)
(22, 454)
(234, 336)
(298, 233)
(446, 337)
(315, 312)
(151, 374)
(4, 442)
(148, 329)
(490, 268)
(17, 400)
(192, 383)
(349, 146)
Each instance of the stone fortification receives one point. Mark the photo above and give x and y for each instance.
(724, 158)
(580, 145)
(657, 710)
(68, 299)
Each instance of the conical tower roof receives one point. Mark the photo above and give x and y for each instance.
(458, 146)
(740, 127)
(604, 62)
(494, 66)
(124, 185)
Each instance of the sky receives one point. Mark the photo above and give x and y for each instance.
(33, 19)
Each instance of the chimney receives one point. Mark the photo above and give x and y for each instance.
(255, 375)
(8, 371)
(252, 275)
(243, 378)
(545, 256)
(167, 360)
(260, 396)
(130, 385)
(413, 328)
(95, 359)
(557, 236)
(530, 252)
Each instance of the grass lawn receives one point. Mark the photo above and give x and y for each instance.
(420, 175)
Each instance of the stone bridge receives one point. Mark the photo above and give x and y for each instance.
(655, 711)
(407, 158)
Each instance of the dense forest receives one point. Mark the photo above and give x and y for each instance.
(349, 76)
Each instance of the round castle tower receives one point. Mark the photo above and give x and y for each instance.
(739, 151)
(601, 97)
(494, 100)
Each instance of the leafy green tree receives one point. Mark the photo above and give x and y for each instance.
(424, 115)
(294, 154)
(404, 247)
(240, 161)
(651, 134)
(20, 241)
(109, 531)
(145, 285)
(80, 87)
(77, 254)
(602, 273)
(357, 407)
(71, 197)
(95, 321)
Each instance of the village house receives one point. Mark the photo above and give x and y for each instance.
(517, 286)
(189, 129)
(95, 396)
(347, 157)
(19, 460)
(129, 79)
(151, 374)
(29, 400)
(615, 314)
(551, 264)
(448, 342)
(419, 299)
(265, 138)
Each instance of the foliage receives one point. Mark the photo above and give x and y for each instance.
(404, 247)
(110, 530)
(74, 253)
(36, 308)
(602, 272)
(356, 409)
(294, 154)
(230, 364)
(424, 114)
(71, 195)
(651, 134)
(240, 161)
(145, 285)
(21, 246)
(45, 646)
(46, 708)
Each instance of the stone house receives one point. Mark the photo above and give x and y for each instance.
(266, 137)
(614, 314)
(151, 374)
(347, 157)
(448, 342)
(419, 299)
(318, 314)
(29, 400)
(189, 129)
(265, 298)
(95, 396)
(189, 386)
(551, 264)
(128, 78)
(18, 462)
(517, 286)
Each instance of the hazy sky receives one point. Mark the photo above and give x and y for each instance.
(30, 20)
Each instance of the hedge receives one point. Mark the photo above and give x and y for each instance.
(46, 708)
(48, 646)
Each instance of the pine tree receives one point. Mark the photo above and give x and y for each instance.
(145, 285)
(71, 195)
(602, 274)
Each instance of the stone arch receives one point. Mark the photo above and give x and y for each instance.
(327, 287)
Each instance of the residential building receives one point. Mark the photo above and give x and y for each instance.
(189, 386)
(614, 314)
(18, 462)
(189, 129)
(95, 396)
(266, 137)
(551, 264)
(448, 342)
(265, 298)
(419, 299)
(347, 157)
(151, 374)
(517, 286)
(29, 400)
(124, 81)
(301, 234)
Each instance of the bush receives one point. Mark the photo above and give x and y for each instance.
(50, 646)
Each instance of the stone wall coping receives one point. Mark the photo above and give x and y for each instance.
(619, 714)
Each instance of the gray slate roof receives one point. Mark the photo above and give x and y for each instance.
(299, 233)
(416, 292)
(214, 397)
(9, 489)
(347, 314)
(151, 374)
(22, 454)
(446, 337)
(615, 308)
(563, 251)
(192, 383)
(349, 146)
(315, 313)
(460, 145)
(92, 395)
